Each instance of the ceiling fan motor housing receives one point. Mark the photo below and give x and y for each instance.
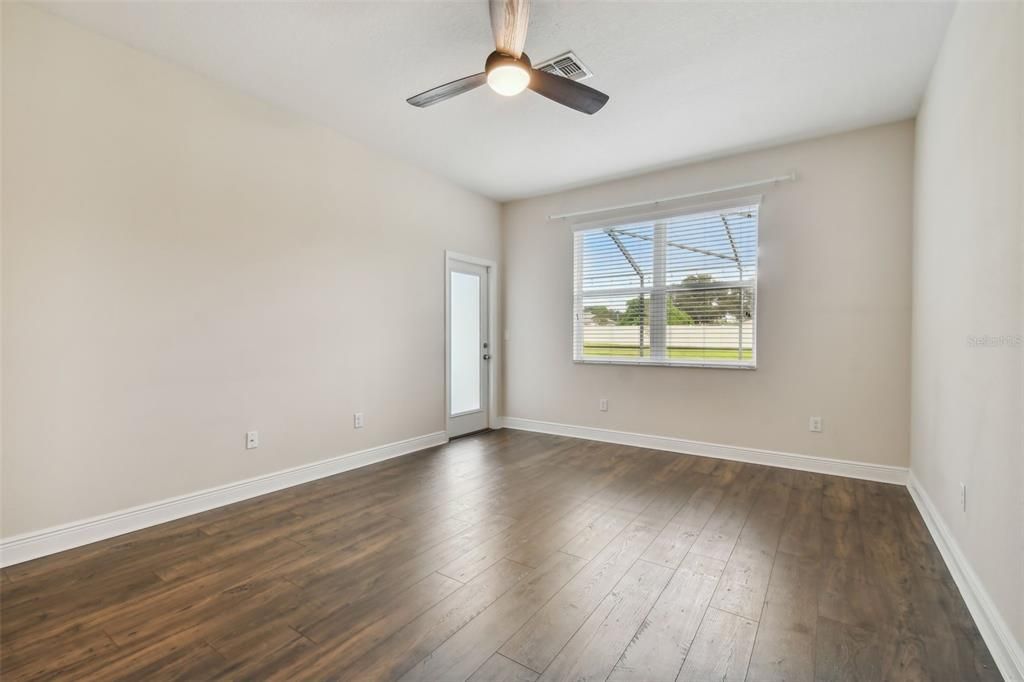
(496, 59)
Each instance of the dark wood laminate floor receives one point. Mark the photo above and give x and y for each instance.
(511, 556)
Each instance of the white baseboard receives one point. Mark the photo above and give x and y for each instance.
(1005, 649)
(19, 548)
(786, 460)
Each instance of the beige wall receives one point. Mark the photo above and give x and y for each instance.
(833, 303)
(183, 263)
(968, 409)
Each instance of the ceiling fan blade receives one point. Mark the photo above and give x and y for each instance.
(564, 91)
(448, 90)
(509, 20)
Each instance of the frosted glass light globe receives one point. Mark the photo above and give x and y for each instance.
(508, 79)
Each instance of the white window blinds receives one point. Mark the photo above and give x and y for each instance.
(678, 290)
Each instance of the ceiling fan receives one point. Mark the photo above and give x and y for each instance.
(508, 70)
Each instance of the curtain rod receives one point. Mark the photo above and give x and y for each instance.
(743, 185)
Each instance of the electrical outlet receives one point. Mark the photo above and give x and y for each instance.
(814, 424)
(963, 496)
(357, 420)
(604, 405)
(252, 440)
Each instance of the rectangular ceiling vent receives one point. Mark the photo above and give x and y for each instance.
(567, 65)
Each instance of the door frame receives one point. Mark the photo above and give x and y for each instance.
(492, 338)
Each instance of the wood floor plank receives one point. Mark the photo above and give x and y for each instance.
(725, 472)
(924, 556)
(842, 540)
(486, 487)
(500, 669)
(544, 634)
(357, 583)
(95, 575)
(596, 535)
(744, 581)
(839, 498)
(541, 545)
(882, 539)
(847, 594)
(646, 490)
(663, 640)
(50, 656)
(138, 597)
(413, 642)
(593, 650)
(513, 540)
(846, 653)
(50, 612)
(677, 486)
(802, 532)
(678, 536)
(252, 639)
(221, 606)
(568, 558)
(465, 651)
(719, 535)
(285, 663)
(924, 634)
(172, 658)
(721, 649)
(249, 537)
(362, 629)
(354, 568)
(785, 645)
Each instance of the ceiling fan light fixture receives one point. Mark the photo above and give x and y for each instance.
(508, 79)
(508, 71)
(506, 74)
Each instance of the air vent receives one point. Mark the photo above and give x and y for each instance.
(567, 65)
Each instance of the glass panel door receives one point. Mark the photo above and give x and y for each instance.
(468, 348)
(465, 342)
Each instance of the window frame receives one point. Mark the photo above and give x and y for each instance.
(619, 218)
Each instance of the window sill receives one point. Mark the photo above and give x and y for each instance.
(662, 363)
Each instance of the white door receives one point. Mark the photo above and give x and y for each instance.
(468, 348)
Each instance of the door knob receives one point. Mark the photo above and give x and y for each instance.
(487, 356)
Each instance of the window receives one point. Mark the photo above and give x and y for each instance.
(677, 290)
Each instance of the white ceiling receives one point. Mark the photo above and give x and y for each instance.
(687, 80)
